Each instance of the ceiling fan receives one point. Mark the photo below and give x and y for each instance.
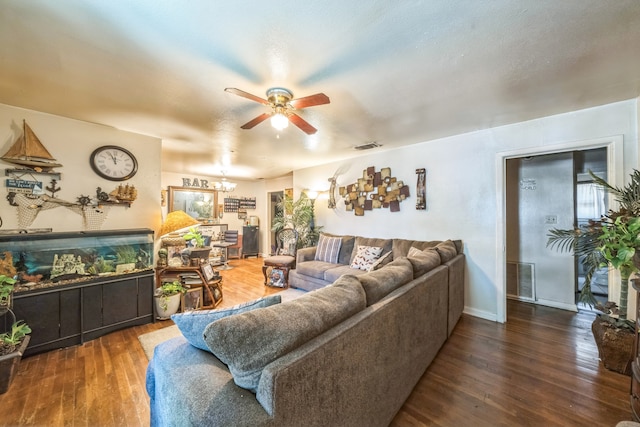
(282, 104)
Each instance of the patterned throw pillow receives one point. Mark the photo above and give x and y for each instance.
(328, 249)
(365, 257)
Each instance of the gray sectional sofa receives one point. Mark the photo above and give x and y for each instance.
(346, 354)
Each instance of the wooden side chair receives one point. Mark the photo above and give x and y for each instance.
(234, 251)
(283, 260)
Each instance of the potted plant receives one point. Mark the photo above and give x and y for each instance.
(611, 241)
(6, 289)
(194, 238)
(167, 299)
(297, 215)
(12, 346)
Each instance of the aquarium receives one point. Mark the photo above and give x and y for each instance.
(40, 260)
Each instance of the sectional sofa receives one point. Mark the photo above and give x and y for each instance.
(348, 353)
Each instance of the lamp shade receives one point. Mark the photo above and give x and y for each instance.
(176, 221)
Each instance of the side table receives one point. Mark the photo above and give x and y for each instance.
(212, 288)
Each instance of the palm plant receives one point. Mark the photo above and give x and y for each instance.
(611, 241)
(297, 215)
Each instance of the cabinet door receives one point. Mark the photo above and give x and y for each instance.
(91, 307)
(119, 301)
(42, 314)
(145, 296)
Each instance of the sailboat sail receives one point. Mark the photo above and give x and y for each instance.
(29, 151)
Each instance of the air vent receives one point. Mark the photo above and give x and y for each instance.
(520, 280)
(367, 146)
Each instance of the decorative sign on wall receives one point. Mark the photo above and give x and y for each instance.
(421, 189)
(233, 204)
(373, 191)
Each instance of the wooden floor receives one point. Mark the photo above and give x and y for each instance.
(538, 369)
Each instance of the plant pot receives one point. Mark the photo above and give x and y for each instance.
(9, 364)
(173, 304)
(615, 346)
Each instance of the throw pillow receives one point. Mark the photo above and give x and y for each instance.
(423, 261)
(193, 323)
(382, 261)
(328, 249)
(447, 250)
(248, 342)
(366, 257)
(378, 284)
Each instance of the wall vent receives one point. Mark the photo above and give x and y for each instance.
(520, 280)
(368, 146)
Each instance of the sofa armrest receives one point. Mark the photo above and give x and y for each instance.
(306, 254)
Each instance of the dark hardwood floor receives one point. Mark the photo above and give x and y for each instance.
(541, 368)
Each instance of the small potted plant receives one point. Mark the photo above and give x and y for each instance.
(12, 346)
(194, 238)
(167, 299)
(6, 289)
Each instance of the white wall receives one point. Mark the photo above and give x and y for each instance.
(461, 187)
(71, 142)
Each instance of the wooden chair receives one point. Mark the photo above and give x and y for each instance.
(284, 259)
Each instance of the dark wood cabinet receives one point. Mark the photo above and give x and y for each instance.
(72, 314)
(635, 365)
(250, 240)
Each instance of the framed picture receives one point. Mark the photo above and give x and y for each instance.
(192, 299)
(207, 271)
(276, 278)
(216, 290)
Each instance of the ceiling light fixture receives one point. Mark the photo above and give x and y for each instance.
(279, 121)
(224, 186)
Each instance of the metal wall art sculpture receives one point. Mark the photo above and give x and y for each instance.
(374, 190)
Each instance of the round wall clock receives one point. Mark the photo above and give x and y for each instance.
(113, 163)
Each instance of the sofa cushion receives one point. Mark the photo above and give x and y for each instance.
(249, 341)
(193, 323)
(379, 283)
(315, 269)
(447, 250)
(385, 244)
(382, 261)
(366, 257)
(401, 246)
(328, 249)
(333, 274)
(423, 261)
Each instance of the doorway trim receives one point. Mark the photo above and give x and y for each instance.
(615, 168)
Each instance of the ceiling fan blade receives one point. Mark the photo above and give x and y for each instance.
(302, 124)
(261, 118)
(246, 95)
(310, 101)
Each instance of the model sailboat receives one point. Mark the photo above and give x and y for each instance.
(28, 151)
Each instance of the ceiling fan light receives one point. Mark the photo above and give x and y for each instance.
(279, 121)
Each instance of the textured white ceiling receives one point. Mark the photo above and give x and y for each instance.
(396, 72)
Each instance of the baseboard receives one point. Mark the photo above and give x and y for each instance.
(480, 313)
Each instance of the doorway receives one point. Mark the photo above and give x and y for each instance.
(615, 176)
(545, 192)
(275, 208)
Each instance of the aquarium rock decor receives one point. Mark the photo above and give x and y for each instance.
(67, 264)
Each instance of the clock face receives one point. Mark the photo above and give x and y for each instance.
(113, 163)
